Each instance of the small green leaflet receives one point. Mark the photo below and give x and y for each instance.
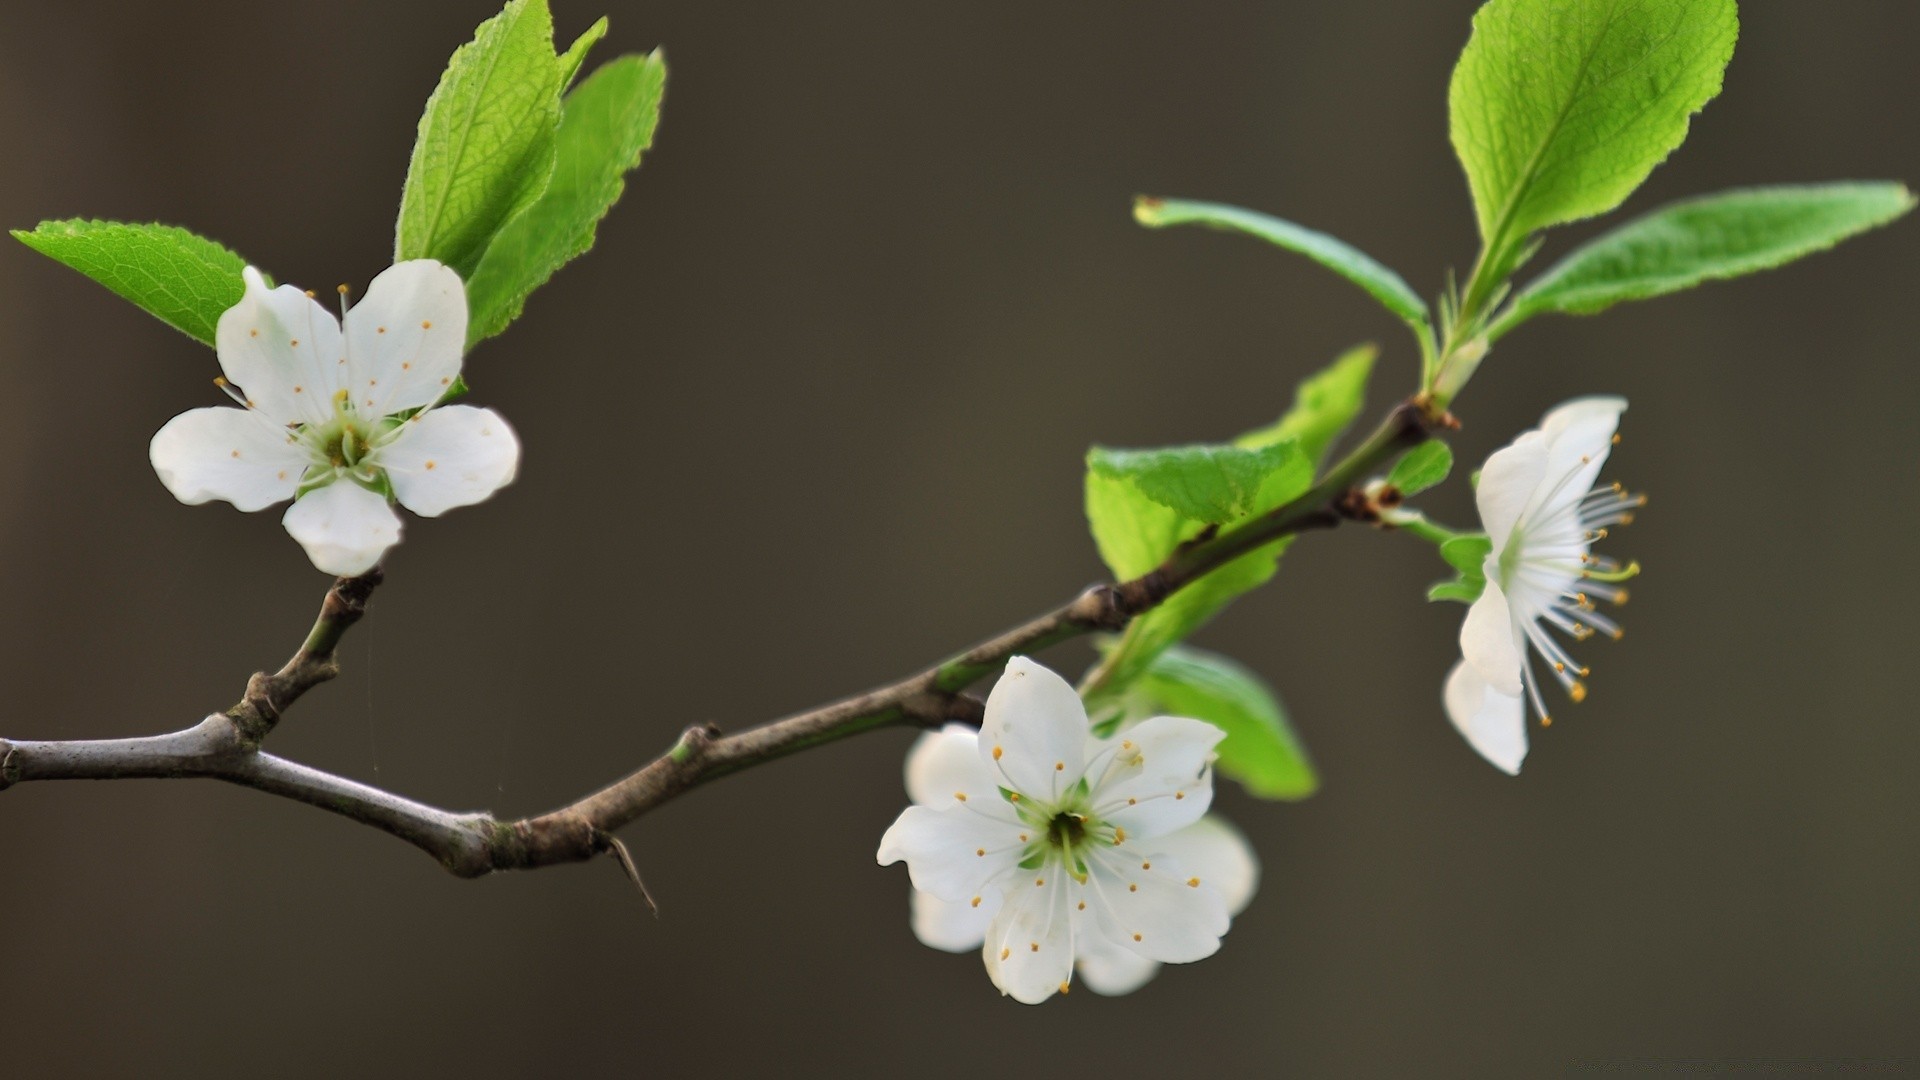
(1261, 749)
(1208, 484)
(183, 279)
(1423, 467)
(485, 147)
(1135, 533)
(576, 54)
(1560, 108)
(1324, 405)
(606, 124)
(1716, 236)
(1468, 556)
(1336, 255)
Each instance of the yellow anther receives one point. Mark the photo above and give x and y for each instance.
(1578, 692)
(1193, 883)
(295, 343)
(379, 329)
(1558, 666)
(1004, 953)
(1146, 866)
(1059, 766)
(1119, 836)
(1545, 720)
(1626, 519)
(1620, 598)
(1039, 881)
(1023, 838)
(1584, 459)
(1136, 937)
(1013, 796)
(1064, 988)
(976, 901)
(310, 294)
(1615, 440)
(963, 798)
(1126, 744)
(1618, 633)
(1133, 888)
(996, 753)
(1131, 802)
(343, 290)
(961, 795)
(1618, 488)
(426, 325)
(1585, 671)
(1179, 795)
(1033, 946)
(1083, 905)
(236, 453)
(253, 333)
(220, 380)
(982, 852)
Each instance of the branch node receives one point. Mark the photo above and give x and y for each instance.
(693, 743)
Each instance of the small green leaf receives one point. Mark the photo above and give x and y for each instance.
(1467, 554)
(576, 54)
(1209, 484)
(1423, 467)
(1560, 108)
(1464, 590)
(185, 280)
(1717, 236)
(605, 127)
(1323, 406)
(485, 147)
(1336, 255)
(1261, 749)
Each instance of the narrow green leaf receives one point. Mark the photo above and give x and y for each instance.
(1467, 554)
(1336, 255)
(1423, 467)
(1261, 749)
(1208, 484)
(605, 127)
(485, 147)
(576, 54)
(1560, 108)
(1716, 236)
(1323, 406)
(183, 279)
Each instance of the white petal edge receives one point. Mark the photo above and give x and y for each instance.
(406, 337)
(1487, 641)
(1035, 731)
(452, 456)
(1493, 723)
(1216, 852)
(950, 927)
(1030, 943)
(945, 764)
(1106, 968)
(1156, 909)
(236, 455)
(1509, 482)
(1157, 779)
(283, 350)
(344, 527)
(954, 853)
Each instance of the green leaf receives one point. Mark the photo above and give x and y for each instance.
(185, 280)
(1336, 255)
(485, 147)
(1323, 406)
(1560, 108)
(1464, 590)
(1423, 467)
(576, 54)
(1261, 749)
(1467, 554)
(1703, 239)
(605, 127)
(1209, 484)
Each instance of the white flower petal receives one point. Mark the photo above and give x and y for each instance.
(1216, 853)
(1106, 968)
(952, 853)
(951, 927)
(946, 763)
(1488, 642)
(1509, 481)
(455, 455)
(1146, 908)
(233, 454)
(1157, 778)
(344, 527)
(1029, 946)
(406, 336)
(1034, 732)
(1495, 724)
(1579, 437)
(283, 350)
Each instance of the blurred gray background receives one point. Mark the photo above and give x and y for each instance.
(812, 416)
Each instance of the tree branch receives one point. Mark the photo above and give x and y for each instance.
(225, 746)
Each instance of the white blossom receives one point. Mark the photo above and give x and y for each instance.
(1052, 851)
(340, 415)
(1541, 511)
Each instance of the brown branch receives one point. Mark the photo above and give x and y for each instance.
(225, 746)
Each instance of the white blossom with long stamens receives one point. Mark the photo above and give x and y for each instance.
(1542, 512)
(340, 414)
(1052, 851)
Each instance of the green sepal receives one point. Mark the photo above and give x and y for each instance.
(1423, 467)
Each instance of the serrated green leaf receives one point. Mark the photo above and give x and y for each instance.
(1423, 467)
(1261, 749)
(1717, 236)
(485, 147)
(1323, 406)
(1208, 484)
(605, 127)
(1560, 108)
(183, 279)
(1336, 255)
(1464, 590)
(1467, 554)
(576, 54)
